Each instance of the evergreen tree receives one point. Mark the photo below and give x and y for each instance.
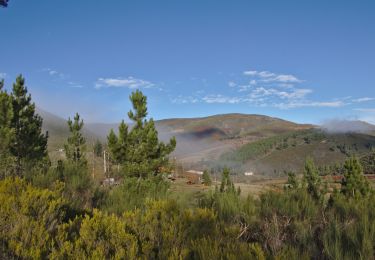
(312, 179)
(139, 151)
(29, 144)
(6, 114)
(76, 143)
(368, 162)
(6, 131)
(98, 148)
(118, 146)
(354, 183)
(292, 180)
(206, 178)
(226, 183)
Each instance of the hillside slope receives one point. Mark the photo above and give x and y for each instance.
(289, 151)
(197, 138)
(255, 143)
(58, 131)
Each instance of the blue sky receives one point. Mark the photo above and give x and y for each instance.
(305, 61)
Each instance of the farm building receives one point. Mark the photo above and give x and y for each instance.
(248, 173)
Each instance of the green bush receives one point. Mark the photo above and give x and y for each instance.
(132, 193)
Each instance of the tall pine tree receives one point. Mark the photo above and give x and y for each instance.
(6, 132)
(29, 144)
(76, 143)
(139, 151)
(6, 114)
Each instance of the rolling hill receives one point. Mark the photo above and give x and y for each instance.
(262, 144)
(197, 138)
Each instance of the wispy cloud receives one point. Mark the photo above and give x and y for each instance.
(295, 93)
(269, 89)
(363, 99)
(129, 82)
(210, 99)
(185, 100)
(367, 110)
(232, 84)
(294, 104)
(74, 85)
(267, 76)
(55, 73)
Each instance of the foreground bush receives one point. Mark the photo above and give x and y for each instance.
(29, 219)
(137, 220)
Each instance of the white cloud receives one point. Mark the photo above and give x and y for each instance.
(364, 99)
(129, 82)
(293, 104)
(3, 75)
(367, 110)
(53, 72)
(244, 88)
(269, 89)
(250, 73)
(285, 85)
(295, 93)
(185, 100)
(210, 99)
(285, 79)
(267, 76)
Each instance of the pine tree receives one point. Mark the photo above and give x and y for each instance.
(6, 114)
(30, 144)
(98, 148)
(139, 151)
(6, 131)
(354, 183)
(292, 180)
(112, 142)
(206, 178)
(226, 183)
(76, 143)
(312, 179)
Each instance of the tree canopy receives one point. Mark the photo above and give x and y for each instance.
(139, 150)
(21, 127)
(76, 144)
